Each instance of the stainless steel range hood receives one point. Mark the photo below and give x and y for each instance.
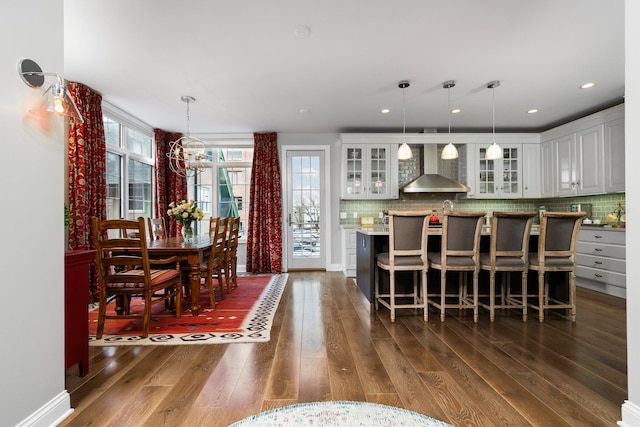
(431, 181)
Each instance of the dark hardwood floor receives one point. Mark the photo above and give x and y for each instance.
(327, 345)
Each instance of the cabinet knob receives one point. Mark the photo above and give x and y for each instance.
(597, 236)
(597, 262)
(597, 276)
(598, 249)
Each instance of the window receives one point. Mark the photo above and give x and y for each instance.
(230, 176)
(129, 166)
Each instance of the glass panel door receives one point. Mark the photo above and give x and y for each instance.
(305, 208)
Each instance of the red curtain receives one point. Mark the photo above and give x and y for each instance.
(87, 191)
(169, 186)
(264, 235)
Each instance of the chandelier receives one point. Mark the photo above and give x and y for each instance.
(187, 155)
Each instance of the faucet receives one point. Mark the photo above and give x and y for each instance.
(447, 202)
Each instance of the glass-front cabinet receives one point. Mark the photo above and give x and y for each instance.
(500, 178)
(368, 171)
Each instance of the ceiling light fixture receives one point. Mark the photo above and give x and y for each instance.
(494, 152)
(587, 85)
(404, 151)
(532, 111)
(57, 96)
(187, 155)
(449, 152)
(385, 111)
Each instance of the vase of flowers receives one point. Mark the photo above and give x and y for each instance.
(185, 213)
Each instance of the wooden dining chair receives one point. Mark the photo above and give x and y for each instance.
(214, 223)
(125, 270)
(557, 243)
(408, 232)
(231, 253)
(508, 253)
(157, 229)
(212, 269)
(459, 252)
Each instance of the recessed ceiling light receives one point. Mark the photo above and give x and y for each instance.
(532, 111)
(587, 85)
(385, 111)
(455, 111)
(302, 31)
(305, 111)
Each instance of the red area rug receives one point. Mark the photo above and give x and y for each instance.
(245, 315)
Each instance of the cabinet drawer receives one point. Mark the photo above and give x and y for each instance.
(602, 263)
(602, 276)
(602, 236)
(601, 250)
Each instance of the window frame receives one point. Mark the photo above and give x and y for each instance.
(129, 122)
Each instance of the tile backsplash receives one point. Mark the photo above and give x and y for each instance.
(602, 205)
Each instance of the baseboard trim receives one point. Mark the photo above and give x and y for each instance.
(51, 414)
(630, 415)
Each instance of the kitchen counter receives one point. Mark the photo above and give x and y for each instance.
(384, 231)
(601, 227)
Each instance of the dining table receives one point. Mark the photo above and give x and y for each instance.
(191, 253)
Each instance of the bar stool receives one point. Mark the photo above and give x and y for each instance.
(508, 253)
(408, 231)
(460, 251)
(556, 253)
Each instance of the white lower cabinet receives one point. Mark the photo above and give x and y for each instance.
(601, 264)
(349, 263)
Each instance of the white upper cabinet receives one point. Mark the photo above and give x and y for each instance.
(547, 178)
(492, 179)
(531, 183)
(579, 163)
(587, 156)
(614, 155)
(369, 171)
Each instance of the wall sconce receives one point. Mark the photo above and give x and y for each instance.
(57, 98)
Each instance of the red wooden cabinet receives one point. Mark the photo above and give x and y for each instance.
(76, 308)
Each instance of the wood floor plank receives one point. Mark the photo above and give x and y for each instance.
(315, 384)
(343, 373)
(413, 393)
(186, 391)
(447, 393)
(115, 400)
(221, 382)
(284, 378)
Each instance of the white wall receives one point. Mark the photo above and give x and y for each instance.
(631, 408)
(32, 277)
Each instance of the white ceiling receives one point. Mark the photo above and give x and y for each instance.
(249, 71)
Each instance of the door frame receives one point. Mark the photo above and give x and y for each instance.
(325, 235)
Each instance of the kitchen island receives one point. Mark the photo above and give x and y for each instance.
(370, 241)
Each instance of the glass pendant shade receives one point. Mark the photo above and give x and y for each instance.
(494, 152)
(449, 152)
(404, 152)
(58, 101)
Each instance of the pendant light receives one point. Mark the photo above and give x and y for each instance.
(404, 151)
(494, 152)
(449, 152)
(187, 155)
